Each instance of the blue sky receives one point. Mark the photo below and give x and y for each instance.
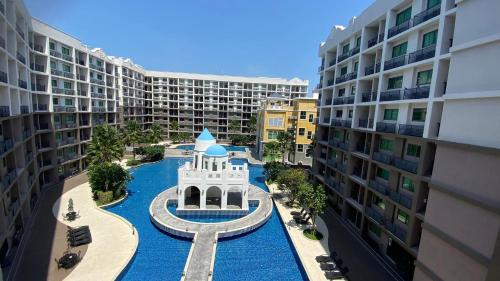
(275, 38)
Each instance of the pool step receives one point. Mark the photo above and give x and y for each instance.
(200, 261)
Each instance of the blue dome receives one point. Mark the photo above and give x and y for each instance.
(205, 136)
(216, 150)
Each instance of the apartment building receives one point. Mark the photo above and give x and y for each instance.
(54, 90)
(299, 118)
(403, 147)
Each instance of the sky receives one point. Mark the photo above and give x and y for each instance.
(272, 38)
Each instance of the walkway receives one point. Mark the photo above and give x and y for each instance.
(306, 249)
(200, 261)
(114, 240)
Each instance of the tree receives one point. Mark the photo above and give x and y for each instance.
(234, 125)
(184, 136)
(239, 139)
(151, 153)
(105, 146)
(108, 177)
(271, 151)
(273, 169)
(132, 134)
(291, 180)
(313, 197)
(155, 133)
(252, 128)
(173, 126)
(285, 140)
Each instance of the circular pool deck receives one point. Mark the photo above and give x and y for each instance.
(200, 262)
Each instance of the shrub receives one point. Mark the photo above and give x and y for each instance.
(239, 139)
(104, 197)
(151, 153)
(108, 177)
(133, 162)
(273, 169)
(291, 180)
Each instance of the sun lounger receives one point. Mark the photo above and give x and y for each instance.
(322, 259)
(328, 266)
(333, 275)
(301, 220)
(297, 213)
(78, 242)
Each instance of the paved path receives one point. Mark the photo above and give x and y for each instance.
(114, 240)
(200, 261)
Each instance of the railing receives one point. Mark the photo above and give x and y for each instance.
(81, 77)
(416, 93)
(338, 101)
(372, 42)
(332, 62)
(98, 109)
(406, 165)
(381, 37)
(23, 84)
(55, 54)
(25, 109)
(2, 42)
(341, 123)
(38, 48)
(426, 15)
(368, 96)
(329, 82)
(20, 31)
(41, 126)
(82, 93)
(342, 57)
(395, 62)
(365, 123)
(369, 70)
(64, 108)
(361, 148)
(21, 58)
(56, 72)
(378, 186)
(96, 67)
(3, 76)
(97, 95)
(372, 213)
(5, 145)
(422, 54)
(96, 81)
(38, 67)
(398, 231)
(383, 157)
(328, 102)
(386, 127)
(67, 57)
(346, 77)
(41, 107)
(395, 30)
(68, 75)
(411, 130)
(391, 95)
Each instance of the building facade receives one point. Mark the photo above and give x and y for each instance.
(54, 91)
(405, 89)
(299, 118)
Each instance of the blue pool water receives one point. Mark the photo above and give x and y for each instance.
(227, 147)
(207, 218)
(264, 254)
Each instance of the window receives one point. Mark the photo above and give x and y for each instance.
(68, 102)
(356, 64)
(67, 85)
(55, 101)
(54, 83)
(386, 144)
(377, 201)
(338, 113)
(429, 39)
(309, 151)
(375, 229)
(345, 49)
(302, 131)
(399, 50)
(309, 135)
(53, 64)
(390, 114)
(214, 166)
(66, 68)
(343, 70)
(303, 115)
(272, 135)
(418, 114)
(424, 77)
(432, 3)
(52, 46)
(341, 92)
(336, 134)
(403, 217)
(58, 135)
(99, 63)
(403, 16)
(413, 150)
(300, 147)
(275, 122)
(349, 113)
(382, 173)
(311, 118)
(395, 83)
(57, 119)
(408, 184)
(353, 90)
(65, 50)
(358, 42)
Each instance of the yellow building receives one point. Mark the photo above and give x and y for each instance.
(299, 118)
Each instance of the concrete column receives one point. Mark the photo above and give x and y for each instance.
(203, 197)
(244, 199)
(180, 197)
(223, 199)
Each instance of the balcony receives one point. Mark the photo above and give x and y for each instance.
(3, 76)
(338, 101)
(391, 95)
(342, 57)
(416, 93)
(67, 57)
(96, 67)
(329, 83)
(328, 102)
(422, 54)
(64, 109)
(41, 126)
(426, 15)
(97, 95)
(401, 198)
(395, 30)
(396, 230)
(368, 96)
(41, 107)
(55, 54)
(98, 109)
(369, 70)
(364, 149)
(349, 100)
(82, 93)
(372, 42)
(81, 77)
(346, 77)
(341, 123)
(20, 31)
(37, 67)
(375, 215)
(38, 48)
(332, 62)
(96, 81)
(5, 145)
(407, 165)
(379, 187)
(365, 123)
(326, 119)
(22, 84)
(68, 75)
(395, 62)
(383, 157)
(411, 130)
(25, 109)
(341, 167)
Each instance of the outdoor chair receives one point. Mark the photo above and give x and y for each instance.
(296, 213)
(302, 220)
(328, 266)
(330, 275)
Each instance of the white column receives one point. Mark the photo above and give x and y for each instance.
(244, 199)
(223, 199)
(203, 197)
(180, 197)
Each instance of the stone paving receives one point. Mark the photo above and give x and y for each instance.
(200, 262)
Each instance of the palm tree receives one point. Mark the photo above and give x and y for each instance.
(173, 126)
(285, 140)
(132, 134)
(106, 145)
(234, 125)
(155, 133)
(252, 127)
(271, 150)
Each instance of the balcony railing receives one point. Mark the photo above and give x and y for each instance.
(398, 231)
(37, 67)
(386, 127)
(395, 30)
(422, 54)
(25, 109)
(383, 157)
(372, 213)
(361, 148)
(41, 107)
(64, 109)
(411, 130)
(67, 57)
(369, 70)
(38, 48)
(3, 76)
(372, 42)
(332, 62)
(341, 123)
(346, 77)
(426, 15)
(55, 54)
(338, 100)
(368, 96)
(379, 187)
(395, 62)
(406, 165)
(416, 93)
(365, 123)
(23, 84)
(21, 58)
(391, 95)
(342, 57)
(329, 82)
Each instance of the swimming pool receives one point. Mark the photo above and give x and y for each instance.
(208, 218)
(264, 254)
(227, 147)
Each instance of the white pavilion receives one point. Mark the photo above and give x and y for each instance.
(210, 181)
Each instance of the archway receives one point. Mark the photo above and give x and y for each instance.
(234, 198)
(214, 197)
(192, 198)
